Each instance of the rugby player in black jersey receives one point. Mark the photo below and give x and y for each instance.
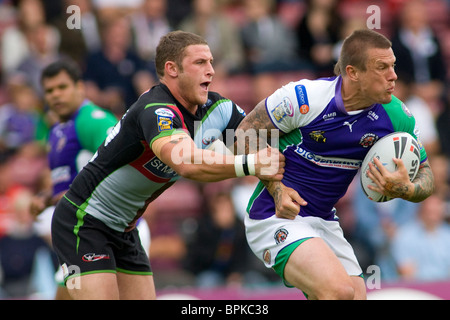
(163, 136)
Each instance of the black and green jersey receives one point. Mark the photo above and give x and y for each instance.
(124, 175)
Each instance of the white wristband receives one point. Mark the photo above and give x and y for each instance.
(251, 164)
(238, 165)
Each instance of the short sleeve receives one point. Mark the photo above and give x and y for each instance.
(160, 120)
(289, 107)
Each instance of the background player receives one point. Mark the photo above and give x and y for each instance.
(327, 126)
(81, 128)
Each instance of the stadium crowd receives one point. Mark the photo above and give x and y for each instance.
(197, 230)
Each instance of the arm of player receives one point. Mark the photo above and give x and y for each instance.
(182, 155)
(287, 200)
(397, 184)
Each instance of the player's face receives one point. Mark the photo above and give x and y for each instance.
(62, 95)
(196, 76)
(378, 81)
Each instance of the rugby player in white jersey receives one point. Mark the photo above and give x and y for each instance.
(326, 128)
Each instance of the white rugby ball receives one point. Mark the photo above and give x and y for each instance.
(395, 145)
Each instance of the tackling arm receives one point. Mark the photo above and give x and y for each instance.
(181, 154)
(287, 200)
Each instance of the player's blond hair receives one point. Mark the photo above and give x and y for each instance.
(354, 49)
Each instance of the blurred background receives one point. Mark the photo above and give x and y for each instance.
(198, 245)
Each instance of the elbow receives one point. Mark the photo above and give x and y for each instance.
(190, 172)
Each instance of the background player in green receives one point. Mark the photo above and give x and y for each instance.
(80, 128)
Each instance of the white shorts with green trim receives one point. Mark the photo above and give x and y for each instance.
(273, 240)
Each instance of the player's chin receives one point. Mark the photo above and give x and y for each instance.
(386, 98)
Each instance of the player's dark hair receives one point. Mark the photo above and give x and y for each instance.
(66, 65)
(354, 49)
(172, 47)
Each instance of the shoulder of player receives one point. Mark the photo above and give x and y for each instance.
(397, 110)
(90, 112)
(312, 93)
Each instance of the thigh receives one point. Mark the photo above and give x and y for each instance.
(81, 242)
(96, 286)
(314, 268)
(269, 237)
(135, 287)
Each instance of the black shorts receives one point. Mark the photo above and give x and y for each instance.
(86, 245)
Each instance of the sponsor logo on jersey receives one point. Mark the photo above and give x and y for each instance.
(208, 140)
(165, 123)
(406, 110)
(349, 125)
(368, 140)
(280, 235)
(372, 116)
(61, 174)
(164, 112)
(302, 98)
(159, 168)
(317, 136)
(283, 109)
(329, 116)
(329, 162)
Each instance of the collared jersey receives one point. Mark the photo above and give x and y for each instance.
(73, 143)
(324, 145)
(125, 175)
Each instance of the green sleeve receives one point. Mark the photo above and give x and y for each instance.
(93, 125)
(403, 120)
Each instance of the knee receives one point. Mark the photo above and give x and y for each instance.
(339, 291)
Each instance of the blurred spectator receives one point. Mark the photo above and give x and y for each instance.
(269, 46)
(420, 248)
(115, 76)
(44, 43)
(148, 25)
(108, 9)
(442, 123)
(14, 41)
(418, 52)
(441, 171)
(218, 253)
(425, 120)
(376, 224)
(177, 10)
(77, 43)
(208, 20)
(21, 119)
(317, 33)
(19, 249)
(349, 25)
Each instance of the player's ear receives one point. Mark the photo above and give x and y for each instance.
(352, 72)
(171, 69)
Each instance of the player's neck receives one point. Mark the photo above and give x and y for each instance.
(353, 98)
(173, 88)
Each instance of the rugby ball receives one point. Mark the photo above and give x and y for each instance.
(395, 145)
